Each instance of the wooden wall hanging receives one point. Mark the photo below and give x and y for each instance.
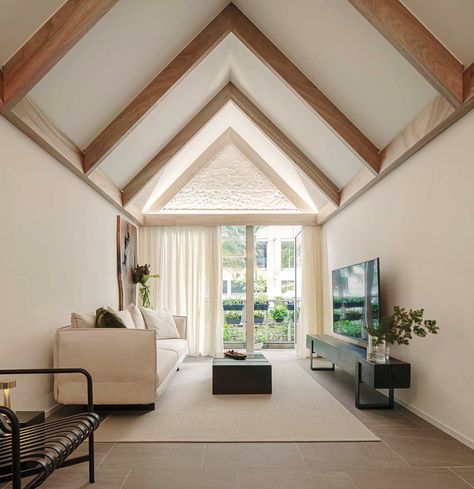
(127, 245)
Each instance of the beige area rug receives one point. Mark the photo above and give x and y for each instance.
(299, 409)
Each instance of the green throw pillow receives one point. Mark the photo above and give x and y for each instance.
(107, 319)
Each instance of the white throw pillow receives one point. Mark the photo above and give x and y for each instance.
(83, 320)
(137, 316)
(162, 321)
(125, 316)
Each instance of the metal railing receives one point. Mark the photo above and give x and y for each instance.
(269, 328)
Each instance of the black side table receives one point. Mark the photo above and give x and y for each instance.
(30, 418)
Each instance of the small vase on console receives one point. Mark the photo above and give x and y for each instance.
(375, 350)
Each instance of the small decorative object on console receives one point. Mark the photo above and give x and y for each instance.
(7, 386)
(236, 355)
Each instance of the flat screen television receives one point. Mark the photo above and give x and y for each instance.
(356, 299)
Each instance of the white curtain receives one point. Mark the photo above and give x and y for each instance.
(189, 261)
(311, 315)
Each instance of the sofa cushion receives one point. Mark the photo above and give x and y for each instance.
(83, 320)
(107, 319)
(165, 363)
(177, 345)
(137, 316)
(125, 316)
(162, 321)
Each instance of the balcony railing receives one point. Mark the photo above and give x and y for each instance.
(274, 323)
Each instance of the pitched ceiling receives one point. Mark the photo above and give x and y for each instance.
(330, 42)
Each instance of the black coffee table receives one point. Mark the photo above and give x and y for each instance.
(250, 376)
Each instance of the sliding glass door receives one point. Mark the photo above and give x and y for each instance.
(270, 312)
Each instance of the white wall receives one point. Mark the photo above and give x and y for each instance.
(420, 222)
(58, 254)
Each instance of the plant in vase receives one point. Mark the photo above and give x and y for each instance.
(399, 327)
(141, 275)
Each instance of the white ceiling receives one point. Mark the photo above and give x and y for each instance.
(347, 59)
(19, 20)
(231, 116)
(117, 58)
(451, 21)
(328, 40)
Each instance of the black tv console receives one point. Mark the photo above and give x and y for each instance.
(394, 374)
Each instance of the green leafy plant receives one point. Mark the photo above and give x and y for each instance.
(141, 275)
(232, 315)
(401, 325)
(233, 302)
(279, 313)
(261, 299)
(259, 314)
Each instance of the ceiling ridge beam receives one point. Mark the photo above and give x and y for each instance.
(138, 182)
(49, 44)
(416, 44)
(267, 170)
(131, 115)
(259, 44)
(284, 143)
(187, 175)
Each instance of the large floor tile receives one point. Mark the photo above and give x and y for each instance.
(349, 455)
(412, 478)
(253, 455)
(213, 477)
(156, 455)
(466, 473)
(428, 447)
(293, 478)
(75, 478)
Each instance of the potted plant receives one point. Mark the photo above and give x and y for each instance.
(290, 304)
(233, 304)
(279, 313)
(258, 317)
(260, 302)
(141, 275)
(399, 328)
(233, 317)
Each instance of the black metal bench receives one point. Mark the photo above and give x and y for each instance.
(37, 451)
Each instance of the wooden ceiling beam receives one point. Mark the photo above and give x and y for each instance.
(138, 182)
(195, 51)
(31, 122)
(231, 19)
(469, 83)
(284, 143)
(230, 93)
(184, 178)
(427, 125)
(270, 54)
(417, 45)
(49, 44)
(269, 172)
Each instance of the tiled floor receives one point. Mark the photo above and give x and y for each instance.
(412, 455)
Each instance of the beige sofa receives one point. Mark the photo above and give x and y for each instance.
(128, 366)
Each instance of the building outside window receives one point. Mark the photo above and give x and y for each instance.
(287, 254)
(261, 254)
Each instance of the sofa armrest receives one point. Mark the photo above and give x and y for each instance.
(111, 355)
(181, 325)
